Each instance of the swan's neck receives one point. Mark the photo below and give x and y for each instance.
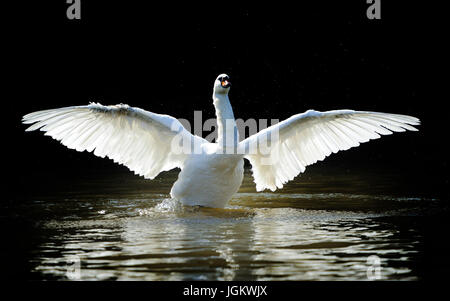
(226, 125)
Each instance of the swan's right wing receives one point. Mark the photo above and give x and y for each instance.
(282, 151)
(141, 140)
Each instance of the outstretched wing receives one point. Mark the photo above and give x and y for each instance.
(138, 139)
(306, 138)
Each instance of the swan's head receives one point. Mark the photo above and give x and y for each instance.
(222, 84)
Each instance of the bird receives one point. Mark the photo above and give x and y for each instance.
(212, 172)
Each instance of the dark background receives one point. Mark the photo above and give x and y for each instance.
(283, 59)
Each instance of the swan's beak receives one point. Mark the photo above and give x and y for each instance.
(225, 83)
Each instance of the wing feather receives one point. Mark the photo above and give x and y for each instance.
(304, 139)
(130, 136)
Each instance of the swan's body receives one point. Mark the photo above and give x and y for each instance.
(149, 143)
(209, 180)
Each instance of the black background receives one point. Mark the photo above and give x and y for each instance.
(282, 58)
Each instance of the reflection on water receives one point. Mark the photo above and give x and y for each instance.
(287, 235)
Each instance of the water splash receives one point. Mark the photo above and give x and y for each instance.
(168, 205)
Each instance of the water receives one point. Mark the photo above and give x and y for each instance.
(318, 228)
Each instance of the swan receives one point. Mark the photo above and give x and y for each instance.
(147, 143)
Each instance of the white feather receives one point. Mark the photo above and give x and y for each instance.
(131, 136)
(312, 136)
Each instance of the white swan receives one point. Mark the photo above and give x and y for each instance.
(144, 142)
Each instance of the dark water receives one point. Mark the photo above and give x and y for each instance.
(320, 227)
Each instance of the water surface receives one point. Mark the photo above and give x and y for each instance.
(317, 228)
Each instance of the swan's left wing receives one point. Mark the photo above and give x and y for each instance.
(141, 140)
(282, 151)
